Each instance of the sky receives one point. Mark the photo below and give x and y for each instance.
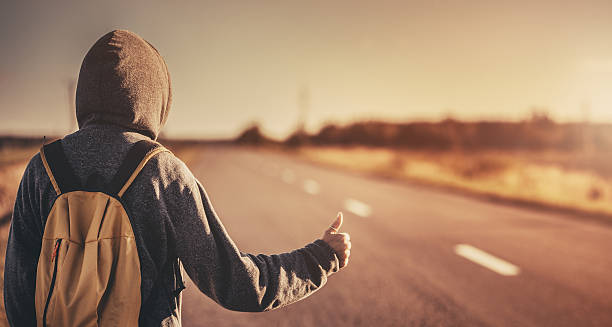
(233, 63)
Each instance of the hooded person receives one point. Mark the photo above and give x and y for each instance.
(123, 97)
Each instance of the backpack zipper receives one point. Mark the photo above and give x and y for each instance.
(53, 257)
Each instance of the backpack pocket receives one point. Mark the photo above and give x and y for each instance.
(54, 260)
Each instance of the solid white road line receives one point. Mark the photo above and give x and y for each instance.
(484, 259)
(311, 186)
(357, 207)
(288, 176)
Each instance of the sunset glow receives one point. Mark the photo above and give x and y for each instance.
(233, 64)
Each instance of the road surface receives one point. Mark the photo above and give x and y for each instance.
(420, 256)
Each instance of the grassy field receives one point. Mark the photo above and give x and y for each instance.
(573, 181)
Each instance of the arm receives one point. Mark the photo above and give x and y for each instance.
(241, 281)
(22, 252)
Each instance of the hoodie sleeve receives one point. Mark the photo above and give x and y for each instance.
(22, 252)
(236, 280)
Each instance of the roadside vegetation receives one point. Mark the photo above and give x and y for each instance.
(535, 161)
(550, 179)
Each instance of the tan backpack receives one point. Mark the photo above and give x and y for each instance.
(89, 270)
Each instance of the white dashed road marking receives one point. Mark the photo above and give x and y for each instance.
(288, 176)
(357, 207)
(484, 259)
(311, 186)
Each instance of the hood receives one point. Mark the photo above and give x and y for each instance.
(124, 81)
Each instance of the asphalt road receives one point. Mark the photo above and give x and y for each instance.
(415, 250)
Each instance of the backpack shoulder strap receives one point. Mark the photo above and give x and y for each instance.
(134, 162)
(56, 164)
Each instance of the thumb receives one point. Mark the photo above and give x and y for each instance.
(335, 226)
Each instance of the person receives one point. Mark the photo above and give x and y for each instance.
(123, 96)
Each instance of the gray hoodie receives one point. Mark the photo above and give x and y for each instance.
(123, 96)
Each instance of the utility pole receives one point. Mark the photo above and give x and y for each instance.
(587, 140)
(303, 108)
(71, 93)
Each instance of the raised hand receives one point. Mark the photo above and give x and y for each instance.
(340, 242)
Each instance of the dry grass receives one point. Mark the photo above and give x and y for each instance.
(550, 179)
(3, 239)
(16, 154)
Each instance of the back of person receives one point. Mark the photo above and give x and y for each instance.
(89, 231)
(95, 165)
(123, 97)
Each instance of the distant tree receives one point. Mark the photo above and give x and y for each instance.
(540, 116)
(252, 136)
(538, 132)
(297, 139)
(329, 134)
